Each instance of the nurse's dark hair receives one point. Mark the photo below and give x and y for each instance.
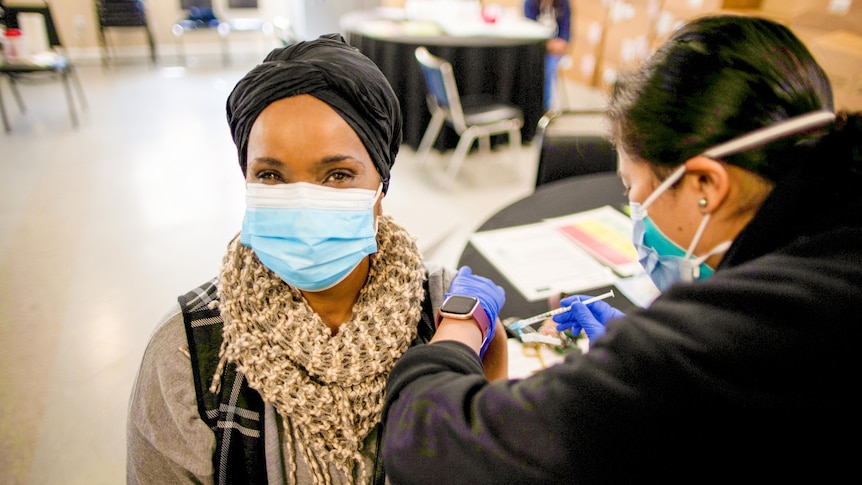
(720, 77)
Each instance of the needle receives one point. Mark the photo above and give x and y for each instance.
(526, 322)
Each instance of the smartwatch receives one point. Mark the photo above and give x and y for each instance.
(462, 307)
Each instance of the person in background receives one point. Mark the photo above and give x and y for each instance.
(556, 14)
(274, 371)
(746, 206)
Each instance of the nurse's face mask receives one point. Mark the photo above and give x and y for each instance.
(665, 261)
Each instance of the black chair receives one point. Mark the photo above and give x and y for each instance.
(573, 143)
(122, 14)
(52, 65)
(475, 118)
(202, 18)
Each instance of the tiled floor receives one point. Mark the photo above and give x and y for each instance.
(101, 227)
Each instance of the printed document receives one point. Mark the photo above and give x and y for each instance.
(606, 234)
(540, 261)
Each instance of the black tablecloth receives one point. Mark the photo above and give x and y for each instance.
(508, 69)
(560, 198)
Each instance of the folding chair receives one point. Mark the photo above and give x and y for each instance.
(573, 143)
(471, 118)
(50, 65)
(123, 14)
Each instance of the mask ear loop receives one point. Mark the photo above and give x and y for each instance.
(674, 178)
(374, 201)
(797, 124)
(697, 236)
(696, 262)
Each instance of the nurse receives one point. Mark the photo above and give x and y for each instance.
(747, 209)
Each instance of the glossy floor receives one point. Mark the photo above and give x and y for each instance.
(101, 227)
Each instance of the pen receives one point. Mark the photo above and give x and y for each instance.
(526, 322)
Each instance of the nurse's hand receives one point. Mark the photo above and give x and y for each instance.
(591, 318)
(490, 295)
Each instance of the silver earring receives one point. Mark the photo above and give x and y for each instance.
(702, 202)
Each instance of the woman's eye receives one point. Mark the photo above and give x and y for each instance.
(340, 176)
(269, 176)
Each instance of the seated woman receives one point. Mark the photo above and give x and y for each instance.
(274, 371)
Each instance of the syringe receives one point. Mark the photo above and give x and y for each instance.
(526, 322)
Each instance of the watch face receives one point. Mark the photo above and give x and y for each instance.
(459, 305)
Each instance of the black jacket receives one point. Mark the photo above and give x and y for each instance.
(747, 375)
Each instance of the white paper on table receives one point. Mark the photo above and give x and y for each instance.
(539, 261)
(639, 289)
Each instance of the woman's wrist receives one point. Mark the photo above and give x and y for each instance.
(465, 331)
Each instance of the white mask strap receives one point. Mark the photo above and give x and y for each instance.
(674, 178)
(797, 124)
(720, 248)
(756, 138)
(378, 192)
(376, 198)
(697, 235)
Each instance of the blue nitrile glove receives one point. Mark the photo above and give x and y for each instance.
(490, 295)
(592, 318)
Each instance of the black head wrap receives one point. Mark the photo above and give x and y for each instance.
(337, 74)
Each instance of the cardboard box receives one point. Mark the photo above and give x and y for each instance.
(629, 33)
(584, 53)
(839, 53)
(583, 67)
(818, 14)
(629, 44)
(588, 31)
(692, 7)
(608, 74)
(853, 97)
(675, 13)
(837, 15)
(808, 35)
(740, 4)
(792, 8)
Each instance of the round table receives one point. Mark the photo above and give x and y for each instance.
(560, 198)
(508, 68)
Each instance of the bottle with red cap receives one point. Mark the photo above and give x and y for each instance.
(14, 45)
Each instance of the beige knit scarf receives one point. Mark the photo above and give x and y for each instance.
(330, 388)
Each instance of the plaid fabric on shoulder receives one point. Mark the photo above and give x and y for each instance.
(235, 412)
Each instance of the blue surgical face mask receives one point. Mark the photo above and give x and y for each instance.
(663, 260)
(666, 262)
(310, 235)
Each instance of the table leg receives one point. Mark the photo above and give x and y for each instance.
(223, 31)
(3, 113)
(177, 30)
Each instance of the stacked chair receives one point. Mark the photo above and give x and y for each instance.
(52, 65)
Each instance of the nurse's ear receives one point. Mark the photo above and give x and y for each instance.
(712, 182)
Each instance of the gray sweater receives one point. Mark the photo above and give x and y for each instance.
(167, 442)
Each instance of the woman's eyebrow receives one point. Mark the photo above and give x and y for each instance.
(268, 161)
(335, 159)
(327, 160)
